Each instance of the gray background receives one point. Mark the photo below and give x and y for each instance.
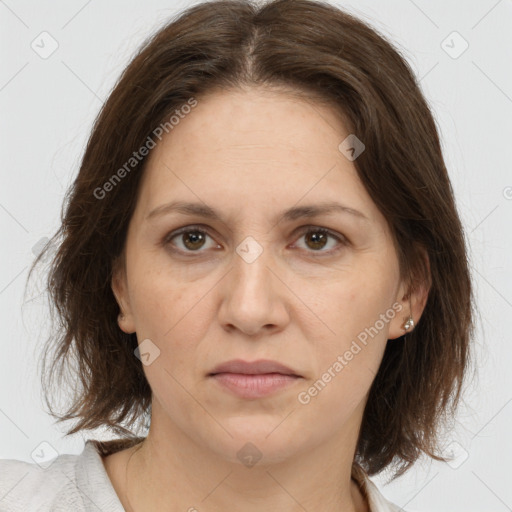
(48, 106)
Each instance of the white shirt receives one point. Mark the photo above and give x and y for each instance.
(80, 483)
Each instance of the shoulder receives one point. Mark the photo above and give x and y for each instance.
(68, 482)
(25, 486)
(376, 500)
(378, 503)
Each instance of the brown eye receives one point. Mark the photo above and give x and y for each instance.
(193, 239)
(316, 239)
(189, 239)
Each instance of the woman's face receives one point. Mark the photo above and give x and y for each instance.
(252, 284)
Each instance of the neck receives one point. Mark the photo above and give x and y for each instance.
(171, 472)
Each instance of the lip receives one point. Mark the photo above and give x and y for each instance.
(255, 379)
(254, 385)
(259, 367)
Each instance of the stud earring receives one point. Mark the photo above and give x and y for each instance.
(409, 322)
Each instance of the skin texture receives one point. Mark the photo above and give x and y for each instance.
(250, 155)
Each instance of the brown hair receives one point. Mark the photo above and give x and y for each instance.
(312, 48)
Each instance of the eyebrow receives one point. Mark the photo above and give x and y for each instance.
(294, 213)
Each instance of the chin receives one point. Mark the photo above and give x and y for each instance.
(254, 441)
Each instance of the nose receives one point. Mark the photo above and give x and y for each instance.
(254, 295)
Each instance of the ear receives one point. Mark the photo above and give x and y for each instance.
(120, 289)
(413, 298)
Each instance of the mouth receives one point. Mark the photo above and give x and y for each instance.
(260, 367)
(253, 380)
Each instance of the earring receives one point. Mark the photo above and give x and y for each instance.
(409, 322)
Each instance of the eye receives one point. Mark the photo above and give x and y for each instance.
(190, 239)
(317, 238)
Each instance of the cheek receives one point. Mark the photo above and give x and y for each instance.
(160, 299)
(358, 311)
(348, 360)
(353, 306)
(174, 315)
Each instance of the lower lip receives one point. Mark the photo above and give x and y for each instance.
(254, 386)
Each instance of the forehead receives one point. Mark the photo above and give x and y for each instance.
(245, 119)
(252, 145)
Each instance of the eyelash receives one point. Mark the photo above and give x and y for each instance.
(304, 231)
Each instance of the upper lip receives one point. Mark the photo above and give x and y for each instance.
(260, 366)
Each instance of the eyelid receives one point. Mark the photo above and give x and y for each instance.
(185, 229)
(314, 228)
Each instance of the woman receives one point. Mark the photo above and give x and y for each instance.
(262, 257)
